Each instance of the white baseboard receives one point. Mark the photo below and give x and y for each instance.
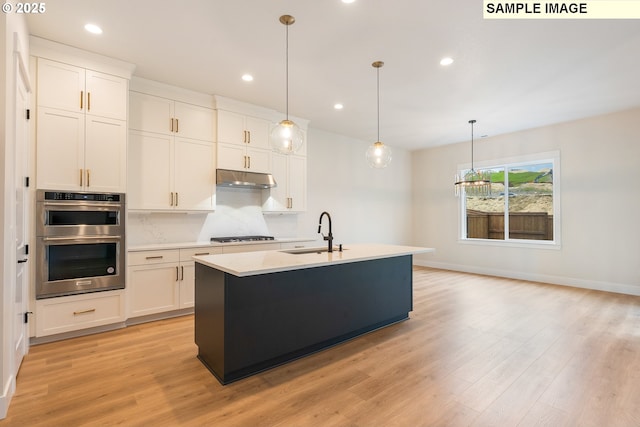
(619, 288)
(7, 393)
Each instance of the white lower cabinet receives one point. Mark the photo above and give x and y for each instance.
(72, 313)
(162, 280)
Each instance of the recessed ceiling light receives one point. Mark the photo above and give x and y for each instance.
(446, 61)
(247, 77)
(93, 29)
(348, 1)
(338, 106)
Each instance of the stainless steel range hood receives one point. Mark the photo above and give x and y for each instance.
(241, 179)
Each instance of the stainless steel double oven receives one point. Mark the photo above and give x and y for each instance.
(79, 242)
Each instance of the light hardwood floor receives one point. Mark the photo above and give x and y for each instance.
(477, 351)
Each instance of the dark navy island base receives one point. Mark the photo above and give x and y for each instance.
(245, 325)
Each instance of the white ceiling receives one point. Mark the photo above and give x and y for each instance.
(508, 74)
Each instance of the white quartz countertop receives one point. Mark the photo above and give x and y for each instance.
(253, 263)
(204, 244)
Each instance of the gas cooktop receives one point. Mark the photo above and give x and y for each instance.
(241, 239)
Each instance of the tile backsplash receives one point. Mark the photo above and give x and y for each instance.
(238, 212)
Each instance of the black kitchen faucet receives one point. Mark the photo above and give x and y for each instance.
(329, 237)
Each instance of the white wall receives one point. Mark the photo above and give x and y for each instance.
(366, 205)
(10, 24)
(600, 205)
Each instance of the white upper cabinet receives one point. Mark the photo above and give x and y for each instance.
(150, 171)
(70, 88)
(81, 130)
(290, 194)
(105, 155)
(60, 149)
(172, 156)
(106, 95)
(150, 113)
(156, 114)
(194, 175)
(243, 142)
(60, 85)
(234, 128)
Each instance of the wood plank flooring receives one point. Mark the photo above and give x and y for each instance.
(477, 351)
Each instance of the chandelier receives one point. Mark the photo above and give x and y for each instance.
(473, 183)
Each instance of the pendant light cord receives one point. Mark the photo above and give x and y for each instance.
(472, 122)
(378, 96)
(287, 71)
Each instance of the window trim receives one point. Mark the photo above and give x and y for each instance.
(552, 157)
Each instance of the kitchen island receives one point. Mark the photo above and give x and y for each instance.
(257, 310)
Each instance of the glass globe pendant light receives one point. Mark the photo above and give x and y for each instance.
(286, 137)
(378, 155)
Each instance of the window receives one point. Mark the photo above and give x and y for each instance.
(525, 189)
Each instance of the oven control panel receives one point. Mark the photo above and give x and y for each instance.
(92, 197)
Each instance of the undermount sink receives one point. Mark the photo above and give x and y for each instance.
(308, 251)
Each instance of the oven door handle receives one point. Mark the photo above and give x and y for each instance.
(82, 239)
(80, 204)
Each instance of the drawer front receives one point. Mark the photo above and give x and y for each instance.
(187, 254)
(153, 257)
(65, 314)
(250, 248)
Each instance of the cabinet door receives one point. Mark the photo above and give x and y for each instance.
(259, 160)
(105, 155)
(277, 200)
(194, 122)
(106, 95)
(153, 289)
(231, 128)
(187, 284)
(297, 183)
(194, 173)
(231, 156)
(258, 132)
(60, 151)
(149, 171)
(150, 113)
(60, 86)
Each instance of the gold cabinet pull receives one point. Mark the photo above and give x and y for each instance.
(176, 198)
(182, 272)
(171, 200)
(244, 136)
(177, 125)
(88, 177)
(177, 274)
(248, 137)
(77, 313)
(81, 176)
(88, 101)
(81, 99)
(201, 254)
(171, 125)
(249, 162)
(154, 257)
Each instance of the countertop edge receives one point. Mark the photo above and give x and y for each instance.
(189, 245)
(295, 265)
